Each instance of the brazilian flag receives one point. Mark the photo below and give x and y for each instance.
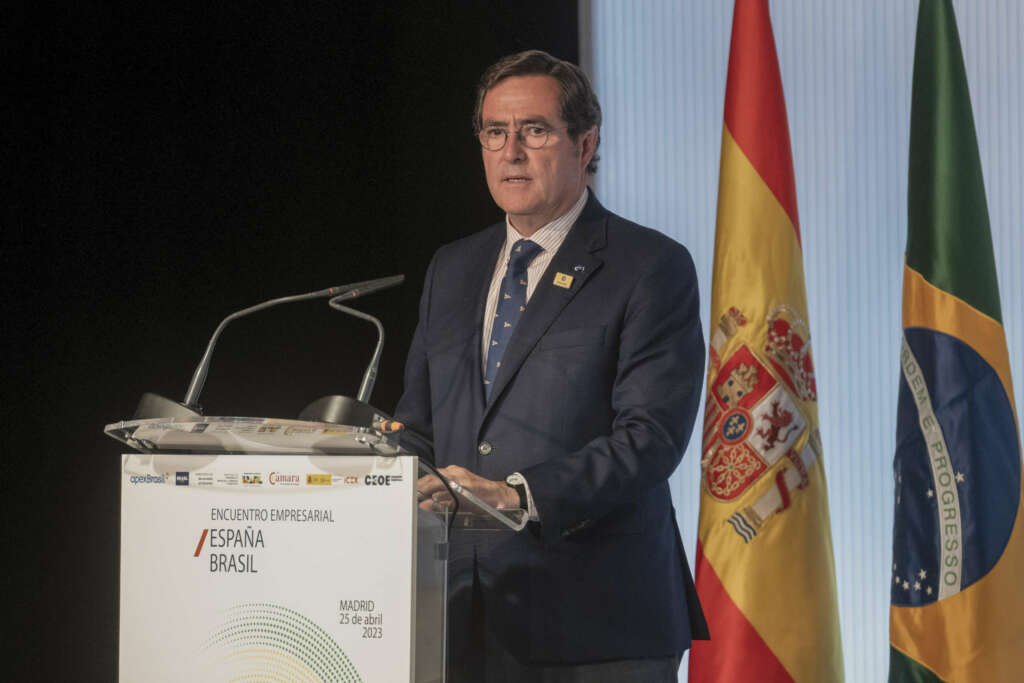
(957, 606)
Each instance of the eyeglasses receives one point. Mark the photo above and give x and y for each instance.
(533, 136)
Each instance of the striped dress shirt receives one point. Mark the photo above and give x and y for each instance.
(550, 238)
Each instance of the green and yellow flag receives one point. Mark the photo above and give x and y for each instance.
(958, 544)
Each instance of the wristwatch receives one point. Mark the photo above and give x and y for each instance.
(516, 481)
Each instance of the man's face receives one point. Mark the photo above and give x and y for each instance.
(533, 186)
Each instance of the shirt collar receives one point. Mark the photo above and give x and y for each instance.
(551, 235)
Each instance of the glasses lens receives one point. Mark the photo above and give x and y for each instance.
(493, 139)
(535, 137)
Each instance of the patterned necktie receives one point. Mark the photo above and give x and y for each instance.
(511, 304)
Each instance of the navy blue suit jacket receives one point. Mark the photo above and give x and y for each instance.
(594, 404)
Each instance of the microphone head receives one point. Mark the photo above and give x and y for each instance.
(377, 285)
(370, 286)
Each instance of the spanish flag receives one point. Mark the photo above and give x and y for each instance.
(765, 571)
(957, 598)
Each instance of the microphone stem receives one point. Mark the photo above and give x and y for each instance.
(370, 377)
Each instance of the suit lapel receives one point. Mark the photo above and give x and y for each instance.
(576, 259)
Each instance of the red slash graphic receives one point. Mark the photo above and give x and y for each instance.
(201, 540)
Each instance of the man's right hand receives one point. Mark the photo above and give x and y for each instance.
(433, 494)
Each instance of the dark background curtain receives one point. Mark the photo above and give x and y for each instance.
(172, 164)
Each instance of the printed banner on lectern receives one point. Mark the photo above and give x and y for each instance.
(267, 568)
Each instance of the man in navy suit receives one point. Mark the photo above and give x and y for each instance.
(557, 367)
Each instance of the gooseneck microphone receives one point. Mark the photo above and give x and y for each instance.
(370, 376)
(344, 292)
(154, 405)
(199, 376)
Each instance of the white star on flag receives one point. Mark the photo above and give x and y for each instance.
(923, 574)
(930, 493)
(960, 477)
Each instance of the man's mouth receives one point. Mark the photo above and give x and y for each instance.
(516, 179)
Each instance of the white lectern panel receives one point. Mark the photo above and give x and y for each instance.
(267, 567)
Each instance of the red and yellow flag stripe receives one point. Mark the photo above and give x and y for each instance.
(765, 571)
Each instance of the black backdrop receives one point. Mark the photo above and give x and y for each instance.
(174, 165)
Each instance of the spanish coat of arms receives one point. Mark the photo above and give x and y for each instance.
(753, 416)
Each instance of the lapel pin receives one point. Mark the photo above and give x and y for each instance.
(563, 280)
(578, 268)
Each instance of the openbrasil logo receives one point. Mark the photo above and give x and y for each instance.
(261, 641)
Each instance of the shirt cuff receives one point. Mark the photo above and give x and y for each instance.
(517, 479)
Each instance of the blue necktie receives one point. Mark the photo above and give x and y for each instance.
(511, 304)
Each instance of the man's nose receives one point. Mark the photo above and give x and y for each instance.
(514, 149)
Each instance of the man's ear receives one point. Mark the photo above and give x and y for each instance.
(587, 143)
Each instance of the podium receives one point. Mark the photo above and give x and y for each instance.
(284, 550)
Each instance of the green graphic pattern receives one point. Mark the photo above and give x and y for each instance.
(278, 643)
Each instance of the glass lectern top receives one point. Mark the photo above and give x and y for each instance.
(251, 435)
(213, 436)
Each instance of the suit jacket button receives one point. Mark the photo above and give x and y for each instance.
(484, 448)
